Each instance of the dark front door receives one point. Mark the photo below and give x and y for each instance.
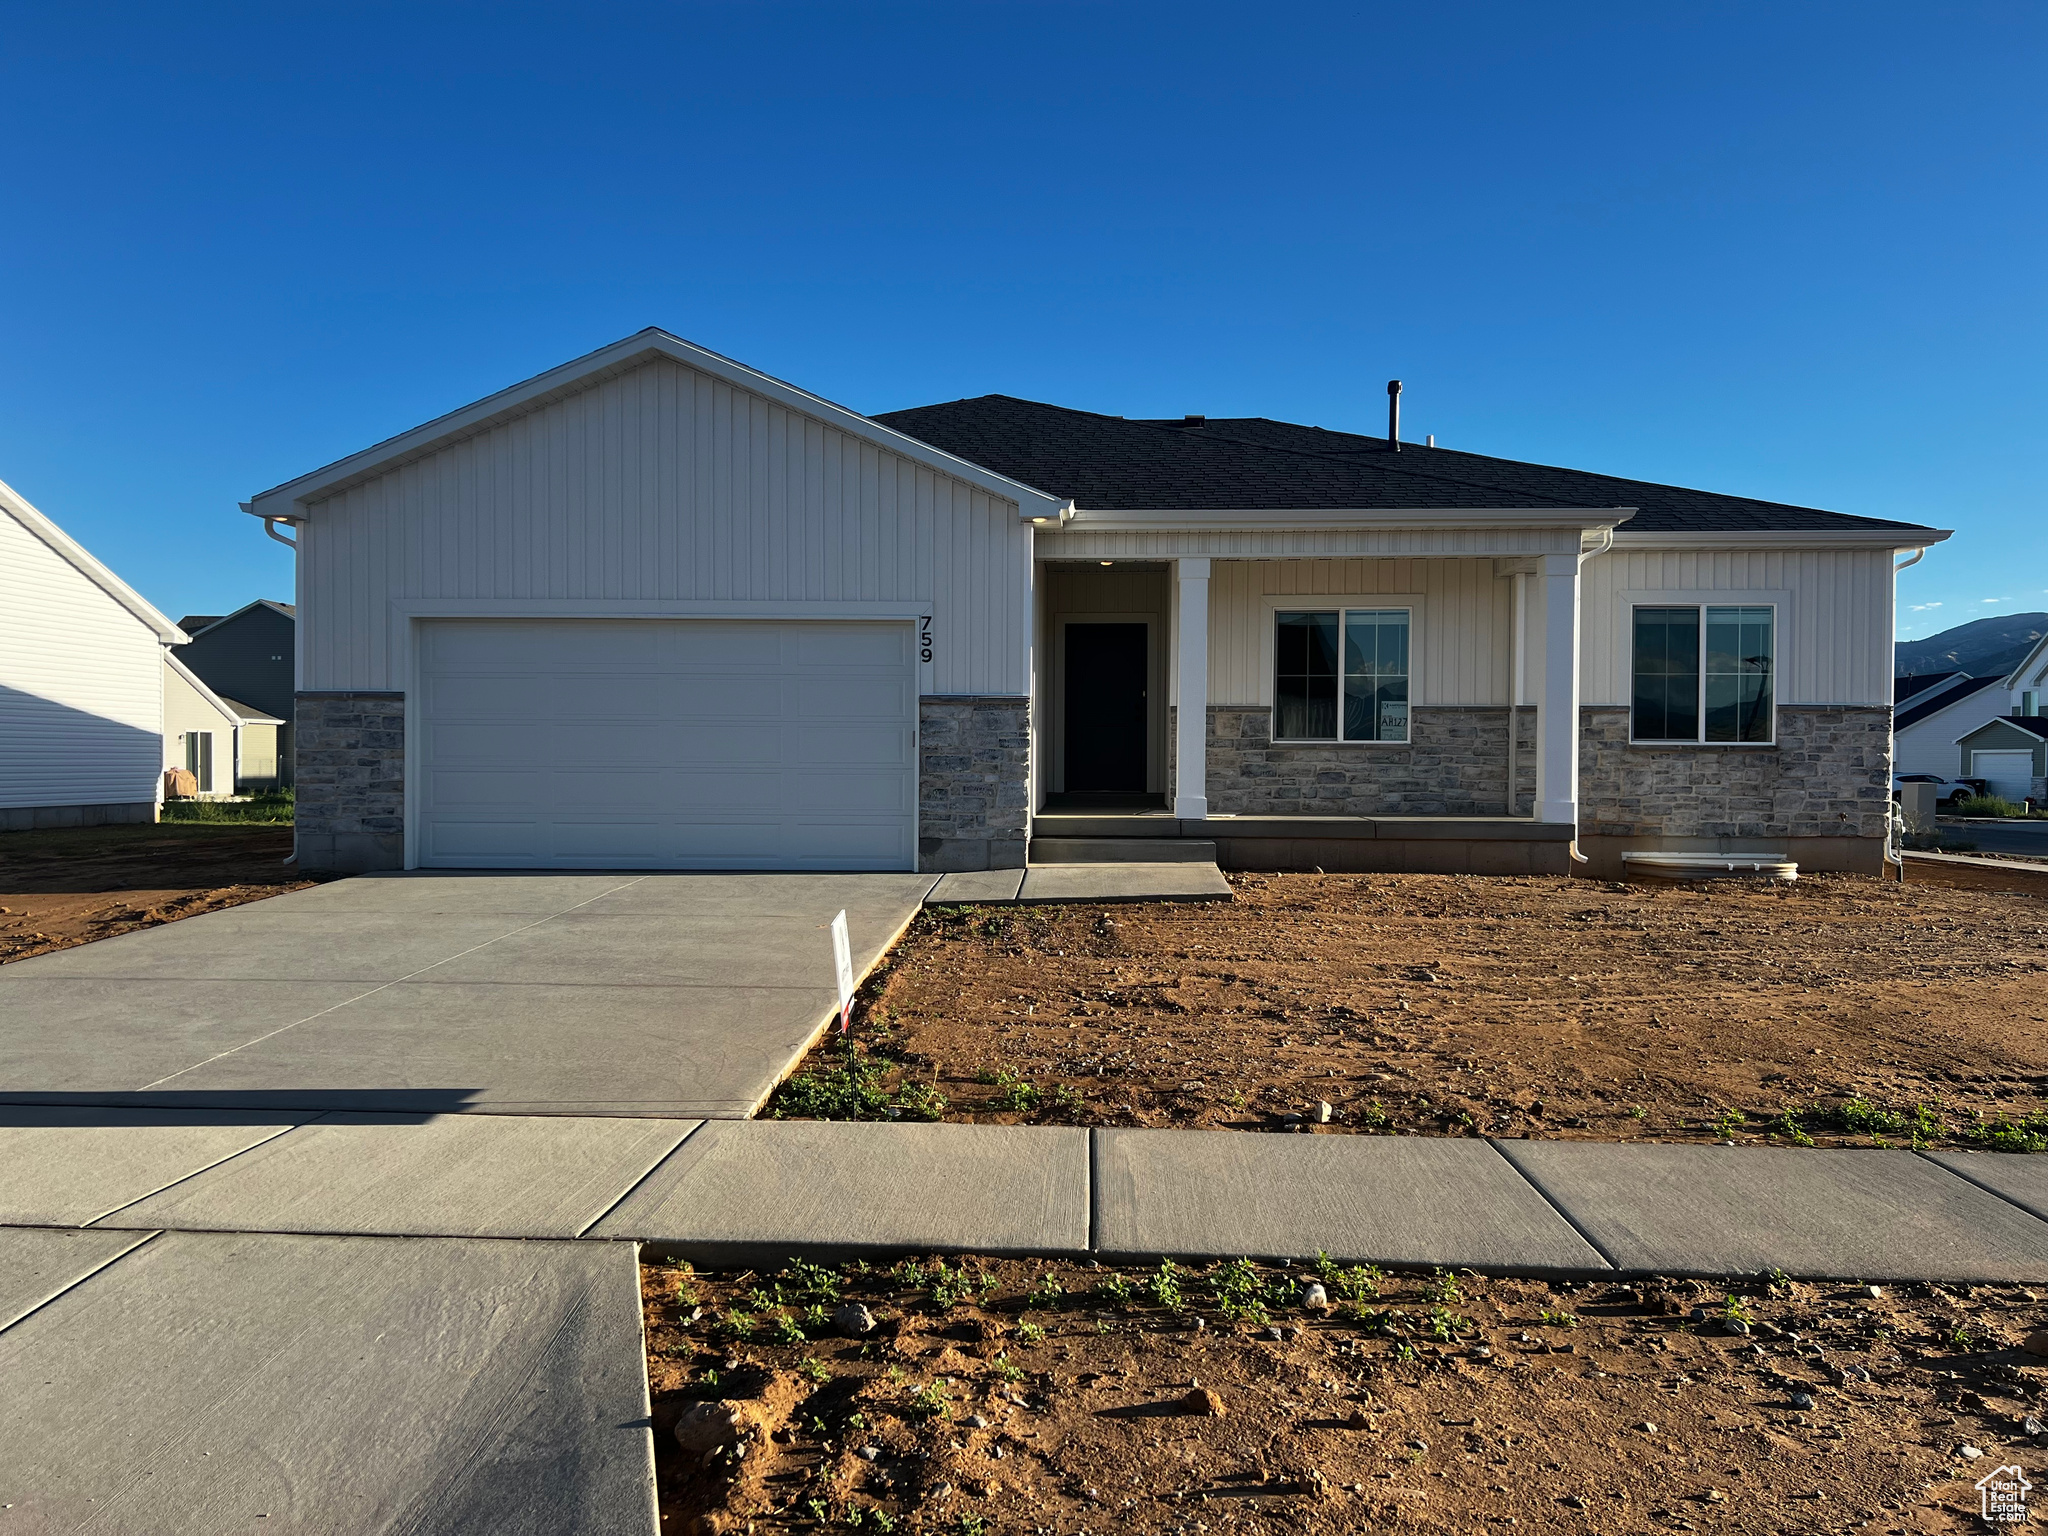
(1105, 688)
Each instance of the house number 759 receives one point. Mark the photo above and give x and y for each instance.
(924, 638)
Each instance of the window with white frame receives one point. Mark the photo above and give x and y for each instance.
(1340, 674)
(1704, 674)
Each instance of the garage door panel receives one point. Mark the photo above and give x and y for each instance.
(668, 744)
(849, 645)
(2009, 774)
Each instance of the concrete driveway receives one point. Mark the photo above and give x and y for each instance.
(684, 995)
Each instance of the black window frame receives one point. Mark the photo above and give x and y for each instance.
(1341, 673)
(1701, 705)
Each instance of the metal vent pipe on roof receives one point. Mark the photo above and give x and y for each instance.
(1394, 414)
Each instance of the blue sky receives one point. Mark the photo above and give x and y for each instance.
(1788, 251)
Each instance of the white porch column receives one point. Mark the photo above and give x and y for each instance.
(1191, 696)
(1557, 715)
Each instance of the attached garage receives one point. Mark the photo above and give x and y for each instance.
(2008, 774)
(667, 744)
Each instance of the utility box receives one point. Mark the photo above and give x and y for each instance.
(1916, 805)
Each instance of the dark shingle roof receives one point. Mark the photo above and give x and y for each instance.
(1109, 464)
(1913, 714)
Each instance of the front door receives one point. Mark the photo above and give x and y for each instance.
(1105, 708)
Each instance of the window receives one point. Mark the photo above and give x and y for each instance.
(1704, 674)
(1345, 667)
(2030, 702)
(199, 758)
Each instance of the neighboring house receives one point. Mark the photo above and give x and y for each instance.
(228, 747)
(81, 682)
(2010, 751)
(655, 609)
(247, 655)
(1927, 723)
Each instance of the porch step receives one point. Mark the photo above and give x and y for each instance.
(1121, 850)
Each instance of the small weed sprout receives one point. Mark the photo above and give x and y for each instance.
(1557, 1317)
(1030, 1333)
(1728, 1124)
(1116, 1290)
(1442, 1287)
(816, 1369)
(788, 1330)
(1048, 1294)
(1735, 1310)
(928, 1402)
(1239, 1292)
(1003, 1370)
(1788, 1126)
(1445, 1325)
(1012, 1092)
(1166, 1289)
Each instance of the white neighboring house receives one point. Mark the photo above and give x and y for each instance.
(2009, 748)
(221, 742)
(81, 682)
(1928, 722)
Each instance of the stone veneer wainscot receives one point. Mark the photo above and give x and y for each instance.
(350, 752)
(973, 782)
(1455, 764)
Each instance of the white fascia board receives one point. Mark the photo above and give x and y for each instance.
(1893, 539)
(74, 554)
(293, 497)
(214, 701)
(1282, 519)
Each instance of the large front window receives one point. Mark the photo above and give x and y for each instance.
(1704, 674)
(1341, 674)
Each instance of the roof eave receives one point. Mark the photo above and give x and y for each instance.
(1209, 520)
(1894, 539)
(292, 498)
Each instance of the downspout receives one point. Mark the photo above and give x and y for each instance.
(1606, 543)
(1894, 821)
(270, 527)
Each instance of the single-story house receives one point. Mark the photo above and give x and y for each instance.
(229, 748)
(655, 609)
(248, 655)
(81, 682)
(1926, 723)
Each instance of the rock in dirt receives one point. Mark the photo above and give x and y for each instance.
(2036, 1343)
(853, 1321)
(1316, 1298)
(707, 1426)
(1203, 1401)
(1323, 1112)
(1803, 1401)
(975, 1421)
(1969, 1452)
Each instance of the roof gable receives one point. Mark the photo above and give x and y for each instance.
(75, 555)
(294, 497)
(1108, 463)
(2033, 667)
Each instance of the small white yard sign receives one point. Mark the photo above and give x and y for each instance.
(842, 960)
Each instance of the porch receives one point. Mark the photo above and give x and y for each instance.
(1171, 726)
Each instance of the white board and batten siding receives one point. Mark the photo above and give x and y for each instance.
(663, 490)
(1834, 607)
(81, 684)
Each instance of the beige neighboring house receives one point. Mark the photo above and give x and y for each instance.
(229, 748)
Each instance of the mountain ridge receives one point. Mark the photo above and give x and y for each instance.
(1983, 647)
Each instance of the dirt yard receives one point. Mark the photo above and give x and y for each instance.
(1837, 1010)
(1055, 1398)
(63, 888)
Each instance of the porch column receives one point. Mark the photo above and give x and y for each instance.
(1557, 714)
(1191, 697)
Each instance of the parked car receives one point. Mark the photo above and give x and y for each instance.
(1945, 789)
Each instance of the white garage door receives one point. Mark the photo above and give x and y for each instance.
(2010, 774)
(667, 744)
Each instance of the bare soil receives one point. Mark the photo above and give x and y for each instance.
(1838, 1010)
(70, 887)
(987, 1401)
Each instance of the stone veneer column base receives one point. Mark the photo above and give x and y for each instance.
(973, 782)
(350, 765)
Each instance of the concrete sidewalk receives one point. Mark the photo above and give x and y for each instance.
(724, 1192)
